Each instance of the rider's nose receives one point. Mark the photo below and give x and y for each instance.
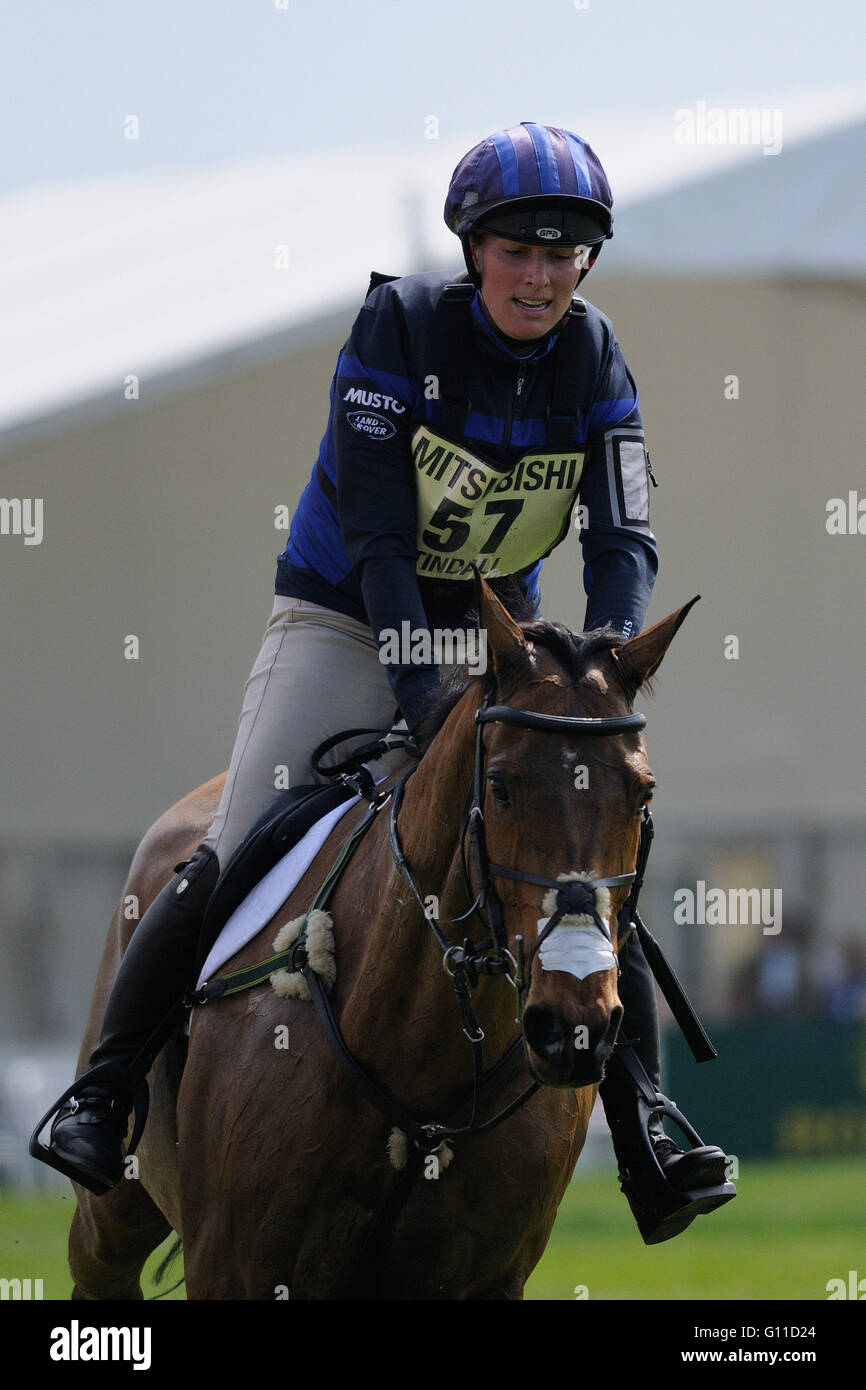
(536, 271)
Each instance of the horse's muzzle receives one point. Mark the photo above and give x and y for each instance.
(568, 1055)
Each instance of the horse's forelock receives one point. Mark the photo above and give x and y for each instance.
(575, 652)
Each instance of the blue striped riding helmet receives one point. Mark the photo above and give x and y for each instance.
(531, 183)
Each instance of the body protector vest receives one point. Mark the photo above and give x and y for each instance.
(471, 509)
(416, 480)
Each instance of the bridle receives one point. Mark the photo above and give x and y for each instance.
(464, 963)
(576, 896)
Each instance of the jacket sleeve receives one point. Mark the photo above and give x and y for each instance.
(374, 399)
(619, 549)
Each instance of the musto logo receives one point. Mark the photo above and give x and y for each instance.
(368, 423)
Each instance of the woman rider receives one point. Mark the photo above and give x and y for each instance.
(463, 427)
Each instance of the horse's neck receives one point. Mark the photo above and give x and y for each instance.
(432, 813)
(403, 985)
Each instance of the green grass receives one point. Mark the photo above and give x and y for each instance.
(793, 1226)
(33, 1238)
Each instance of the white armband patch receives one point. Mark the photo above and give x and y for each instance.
(628, 476)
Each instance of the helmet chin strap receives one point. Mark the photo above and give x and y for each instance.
(474, 275)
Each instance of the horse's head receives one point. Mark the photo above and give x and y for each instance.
(565, 803)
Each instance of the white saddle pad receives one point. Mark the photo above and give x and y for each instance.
(269, 894)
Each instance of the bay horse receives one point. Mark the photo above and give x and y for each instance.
(276, 1172)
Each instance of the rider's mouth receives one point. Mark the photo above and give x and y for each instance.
(533, 306)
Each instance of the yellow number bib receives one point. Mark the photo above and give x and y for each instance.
(470, 511)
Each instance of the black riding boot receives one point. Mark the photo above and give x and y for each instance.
(666, 1188)
(144, 1008)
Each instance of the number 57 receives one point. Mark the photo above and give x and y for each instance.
(446, 518)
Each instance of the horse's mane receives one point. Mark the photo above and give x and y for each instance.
(573, 650)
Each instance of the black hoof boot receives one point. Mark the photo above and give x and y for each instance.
(90, 1119)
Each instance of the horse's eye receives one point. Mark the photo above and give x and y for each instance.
(499, 792)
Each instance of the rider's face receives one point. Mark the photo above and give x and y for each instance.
(525, 289)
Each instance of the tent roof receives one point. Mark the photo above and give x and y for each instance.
(801, 213)
(168, 277)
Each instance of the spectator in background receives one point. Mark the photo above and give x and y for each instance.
(845, 997)
(777, 981)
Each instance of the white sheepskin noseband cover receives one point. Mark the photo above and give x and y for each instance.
(576, 945)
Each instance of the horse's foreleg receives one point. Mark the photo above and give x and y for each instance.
(110, 1239)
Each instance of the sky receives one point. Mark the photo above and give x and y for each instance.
(215, 82)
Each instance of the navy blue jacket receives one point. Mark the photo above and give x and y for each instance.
(394, 511)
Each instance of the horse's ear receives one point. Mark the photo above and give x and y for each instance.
(640, 657)
(507, 648)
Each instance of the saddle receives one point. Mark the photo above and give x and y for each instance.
(286, 821)
(276, 831)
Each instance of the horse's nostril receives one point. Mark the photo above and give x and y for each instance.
(545, 1031)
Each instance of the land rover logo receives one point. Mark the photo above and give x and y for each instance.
(548, 233)
(368, 422)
